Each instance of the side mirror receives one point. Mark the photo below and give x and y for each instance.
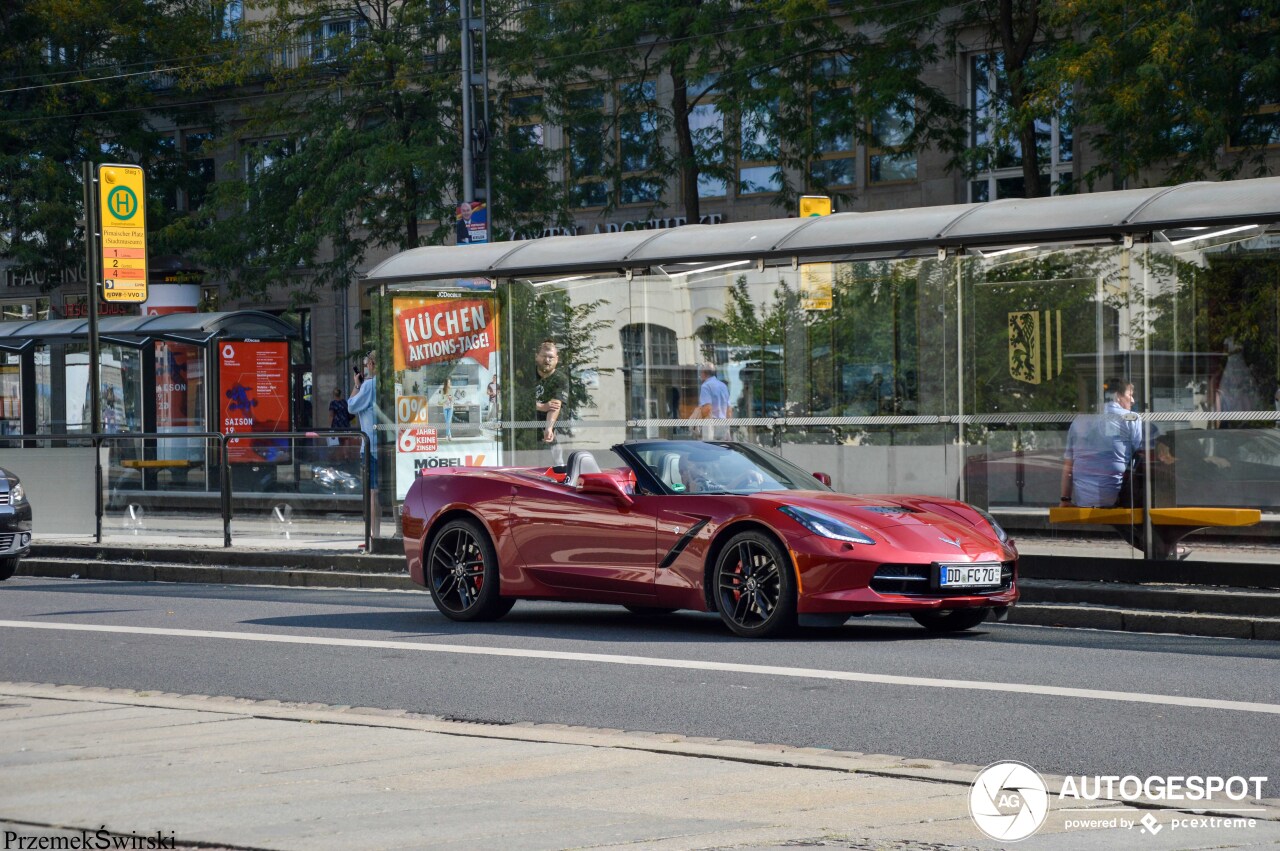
(605, 484)
(824, 478)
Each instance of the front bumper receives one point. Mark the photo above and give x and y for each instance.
(835, 579)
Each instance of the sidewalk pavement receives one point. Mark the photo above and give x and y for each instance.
(234, 773)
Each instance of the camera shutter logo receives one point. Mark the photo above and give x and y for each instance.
(1008, 801)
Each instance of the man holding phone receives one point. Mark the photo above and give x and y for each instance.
(363, 403)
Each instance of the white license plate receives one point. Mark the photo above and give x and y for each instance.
(968, 575)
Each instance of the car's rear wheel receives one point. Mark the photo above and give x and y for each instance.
(648, 610)
(955, 620)
(755, 587)
(8, 567)
(462, 573)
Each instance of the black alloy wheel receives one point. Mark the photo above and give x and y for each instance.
(955, 620)
(8, 567)
(755, 587)
(462, 573)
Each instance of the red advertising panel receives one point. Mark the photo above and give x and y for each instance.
(253, 385)
(444, 330)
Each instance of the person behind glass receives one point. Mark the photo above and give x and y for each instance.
(495, 404)
(551, 397)
(363, 404)
(1100, 452)
(713, 402)
(446, 405)
(110, 417)
(339, 413)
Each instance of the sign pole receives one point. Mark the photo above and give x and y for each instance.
(91, 304)
(91, 268)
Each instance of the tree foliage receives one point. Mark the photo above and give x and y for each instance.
(1182, 87)
(89, 81)
(775, 82)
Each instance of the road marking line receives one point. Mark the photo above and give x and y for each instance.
(655, 662)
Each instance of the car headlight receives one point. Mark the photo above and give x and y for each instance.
(825, 525)
(1001, 534)
(17, 495)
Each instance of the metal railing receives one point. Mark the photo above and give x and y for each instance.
(218, 451)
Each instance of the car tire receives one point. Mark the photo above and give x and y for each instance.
(648, 611)
(956, 620)
(462, 573)
(755, 587)
(8, 567)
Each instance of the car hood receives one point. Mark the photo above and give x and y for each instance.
(920, 523)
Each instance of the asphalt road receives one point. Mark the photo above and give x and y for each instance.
(1135, 704)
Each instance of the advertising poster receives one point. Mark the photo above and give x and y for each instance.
(253, 395)
(471, 223)
(446, 360)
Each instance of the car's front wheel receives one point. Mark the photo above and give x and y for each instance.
(955, 620)
(8, 567)
(462, 573)
(755, 587)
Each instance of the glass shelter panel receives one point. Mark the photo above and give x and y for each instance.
(10, 393)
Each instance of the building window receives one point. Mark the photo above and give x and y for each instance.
(232, 17)
(1259, 130)
(198, 148)
(332, 39)
(658, 340)
(638, 143)
(585, 131)
(28, 309)
(830, 108)
(706, 127)
(261, 155)
(889, 157)
(524, 123)
(759, 149)
(997, 151)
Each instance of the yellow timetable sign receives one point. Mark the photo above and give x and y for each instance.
(122, 199)
(814, 205)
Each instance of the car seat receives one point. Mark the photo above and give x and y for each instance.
(579, 461)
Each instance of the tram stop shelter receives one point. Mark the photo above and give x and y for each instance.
(157, 373)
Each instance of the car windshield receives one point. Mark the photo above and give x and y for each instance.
(690, 466)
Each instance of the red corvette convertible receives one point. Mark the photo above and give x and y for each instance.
(722, 527)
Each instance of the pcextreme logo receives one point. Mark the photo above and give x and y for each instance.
(1008, 801)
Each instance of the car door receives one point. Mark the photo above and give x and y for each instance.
(585, 542)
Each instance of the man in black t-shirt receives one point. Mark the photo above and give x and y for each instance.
(551, 397)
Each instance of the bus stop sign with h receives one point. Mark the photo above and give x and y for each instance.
(124, 233)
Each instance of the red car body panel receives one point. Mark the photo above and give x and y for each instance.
(556, 542)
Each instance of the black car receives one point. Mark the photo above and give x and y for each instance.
(15, 523)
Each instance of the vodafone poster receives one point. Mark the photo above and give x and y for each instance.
(253, 395)
(447, 388)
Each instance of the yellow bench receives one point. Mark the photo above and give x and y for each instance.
(1169, 525)
(153, 463)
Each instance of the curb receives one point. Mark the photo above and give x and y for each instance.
(301, 559)
(1197, 599)
(211, 574)
(672, 744)
(1091, 616)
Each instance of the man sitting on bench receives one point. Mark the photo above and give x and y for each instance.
(1099, 457)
